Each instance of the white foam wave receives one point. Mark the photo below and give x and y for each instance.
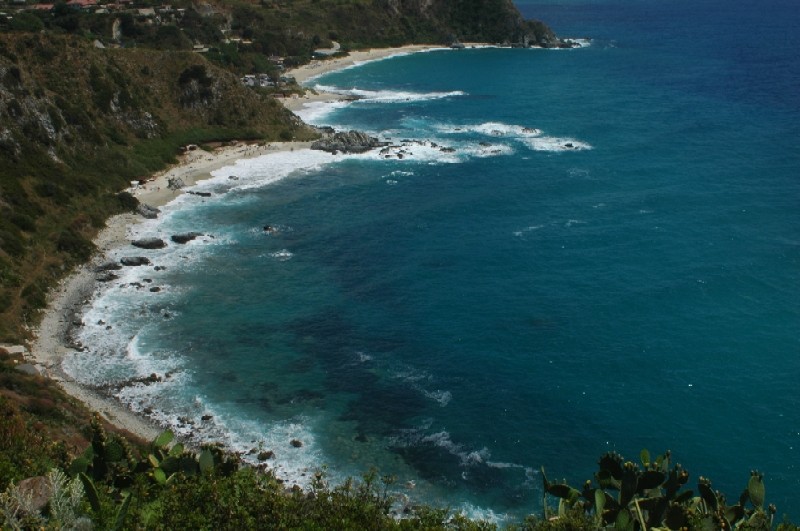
(476, 514)
(201, 421)
(529, 136)
(363, 358)
(316, 112)
(582, 42)
(442, 397)
(388, 96)
(495, 129)
(520, 233)
(556, 144)
(282, 255)
(441, 439)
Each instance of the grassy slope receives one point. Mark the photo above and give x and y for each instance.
(76, 125)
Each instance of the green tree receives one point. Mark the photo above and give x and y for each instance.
(24, 21)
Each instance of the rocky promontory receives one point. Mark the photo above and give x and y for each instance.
(347, 142)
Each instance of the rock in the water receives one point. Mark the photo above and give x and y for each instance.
(149, 243)
(108, 266)
(263, 456)
(147, 211)
(185, 238)
(348, 142)
(132, 261)
(296, 443)
(106, 276)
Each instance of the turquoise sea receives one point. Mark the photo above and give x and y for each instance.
(580, 251)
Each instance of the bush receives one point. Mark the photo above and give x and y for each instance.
(11, 243)
(34, 296)
(74, 244)
(23, 221)
(127, 202)
(23, 21)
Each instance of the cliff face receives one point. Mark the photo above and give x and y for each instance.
(495, 21)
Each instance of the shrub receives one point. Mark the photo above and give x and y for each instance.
(127, 202)
(23, 21)
(74, 244)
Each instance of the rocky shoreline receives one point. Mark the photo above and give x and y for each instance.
(56, 338)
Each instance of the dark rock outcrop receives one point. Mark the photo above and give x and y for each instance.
(133, 261)
(149, 243)
(147, 211)
(108, 266)
(186, 237)
(348, 142)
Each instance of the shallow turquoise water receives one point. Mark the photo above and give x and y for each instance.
(461, 318)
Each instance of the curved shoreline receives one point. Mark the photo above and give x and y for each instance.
(67, 300)
(52, 341)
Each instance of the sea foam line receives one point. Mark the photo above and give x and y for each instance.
(531, 137)
(388, 96)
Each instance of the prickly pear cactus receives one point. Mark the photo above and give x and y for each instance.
(629, 498)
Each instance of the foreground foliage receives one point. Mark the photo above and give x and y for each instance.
(630, 497)
(114, 484)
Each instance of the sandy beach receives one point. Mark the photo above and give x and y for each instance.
(66, 301)
(319, 67)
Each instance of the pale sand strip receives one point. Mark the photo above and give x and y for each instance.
(51, 344)
(324, 66)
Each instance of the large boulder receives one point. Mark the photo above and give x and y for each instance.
(132, 261)
(149, 243)
(347, 142)
(108, 266)
(185, 238)
(147, 211)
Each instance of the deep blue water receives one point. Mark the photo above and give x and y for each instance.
(607, 261)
